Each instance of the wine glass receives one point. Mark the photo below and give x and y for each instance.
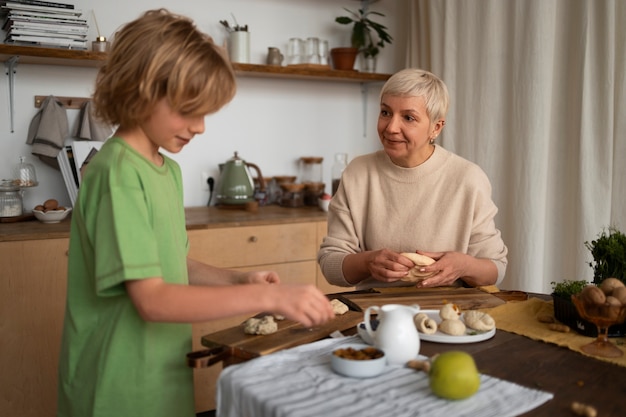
(603, 316)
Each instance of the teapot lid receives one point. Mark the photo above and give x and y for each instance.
(236, 157)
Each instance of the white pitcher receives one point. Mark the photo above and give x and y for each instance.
(396, 334)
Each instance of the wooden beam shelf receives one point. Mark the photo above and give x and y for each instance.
(79, 58)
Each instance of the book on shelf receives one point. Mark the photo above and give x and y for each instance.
(60, 35)
(46, 41)
(72, 158)
(45, 17)
(53, 27)
(10, 5)
(41, 3)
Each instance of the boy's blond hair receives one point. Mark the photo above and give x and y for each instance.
(162, 55)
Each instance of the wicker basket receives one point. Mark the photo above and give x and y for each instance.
(566, 313)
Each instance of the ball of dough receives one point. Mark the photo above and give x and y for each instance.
(452, 327)
(338, 307)
(415, 275)
(450, 311)
(265, 325)
(425, 324)
(478, 320)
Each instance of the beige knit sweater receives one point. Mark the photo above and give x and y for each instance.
(443, 204)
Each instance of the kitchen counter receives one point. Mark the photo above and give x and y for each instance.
(197, 218)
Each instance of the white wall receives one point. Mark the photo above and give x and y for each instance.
(271, 122)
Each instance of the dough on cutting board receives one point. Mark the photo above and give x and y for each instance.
(264, 325)
(339, 308)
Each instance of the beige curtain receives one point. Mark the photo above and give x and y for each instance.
(538, 99)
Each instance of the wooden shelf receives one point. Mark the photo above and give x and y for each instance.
(52, 56)
(77, 58)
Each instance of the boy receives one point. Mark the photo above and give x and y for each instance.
(129, 304)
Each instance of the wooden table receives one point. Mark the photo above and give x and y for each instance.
(569, 375)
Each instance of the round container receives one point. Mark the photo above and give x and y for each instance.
(364, 368)
(10, 200)
(24, 174)
(311, 169)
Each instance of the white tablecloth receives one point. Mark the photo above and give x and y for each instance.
(300, 382)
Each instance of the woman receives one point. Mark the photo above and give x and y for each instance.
(412, 196)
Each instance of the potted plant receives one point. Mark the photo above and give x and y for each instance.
(609, 260)
(609, 255)
(367, 37)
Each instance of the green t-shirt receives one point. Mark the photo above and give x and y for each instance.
(128, 223)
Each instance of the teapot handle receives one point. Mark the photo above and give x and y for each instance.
(367, 321)
(259, 175)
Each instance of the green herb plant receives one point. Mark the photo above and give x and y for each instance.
(364, 30)
(567, 288)
(609, 255)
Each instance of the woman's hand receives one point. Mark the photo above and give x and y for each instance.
(387, 266)
(456, 265)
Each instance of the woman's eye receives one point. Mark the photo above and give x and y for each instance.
(384, 113)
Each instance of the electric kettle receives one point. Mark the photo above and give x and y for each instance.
(236, 186)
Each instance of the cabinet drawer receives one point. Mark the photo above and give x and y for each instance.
(254, 245)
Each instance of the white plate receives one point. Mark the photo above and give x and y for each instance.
(471, 335)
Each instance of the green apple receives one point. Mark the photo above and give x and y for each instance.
(453, 375)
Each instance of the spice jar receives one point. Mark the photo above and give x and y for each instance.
(10, 200)
(311, 169)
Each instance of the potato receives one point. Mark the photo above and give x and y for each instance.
(51, 204)
(609, 284)
(620, 294)
(592, 295)
(613, 301)
(39, 208)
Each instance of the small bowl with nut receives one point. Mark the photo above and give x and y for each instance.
(51, 212)
(358, 361)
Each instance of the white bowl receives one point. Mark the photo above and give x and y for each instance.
(323, 204)
(365, 368)
(51, 216)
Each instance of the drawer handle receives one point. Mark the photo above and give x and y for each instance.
(253, 239)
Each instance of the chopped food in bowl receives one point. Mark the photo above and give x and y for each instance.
(358, 361)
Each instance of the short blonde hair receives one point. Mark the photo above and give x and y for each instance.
(413, 82)
(162, 55)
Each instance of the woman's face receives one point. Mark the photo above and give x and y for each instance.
(405, 130)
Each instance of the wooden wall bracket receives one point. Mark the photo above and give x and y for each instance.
(68, 102)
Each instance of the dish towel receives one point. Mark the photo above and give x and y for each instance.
(48, 130)
(299, 382)
(89, 127)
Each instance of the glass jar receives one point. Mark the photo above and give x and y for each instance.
(341, 162)
(10, 200)
(311, 169)
(24, 174)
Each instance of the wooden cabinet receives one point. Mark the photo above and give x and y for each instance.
(33, 261)
(32, 304)
(289, 249)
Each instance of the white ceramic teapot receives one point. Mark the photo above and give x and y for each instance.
(396, 334)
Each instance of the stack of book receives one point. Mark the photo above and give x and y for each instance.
(43, 23)
(72, 158)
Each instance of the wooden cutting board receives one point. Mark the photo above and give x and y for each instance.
(233, 345)
(426, 298)
(289, 334)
